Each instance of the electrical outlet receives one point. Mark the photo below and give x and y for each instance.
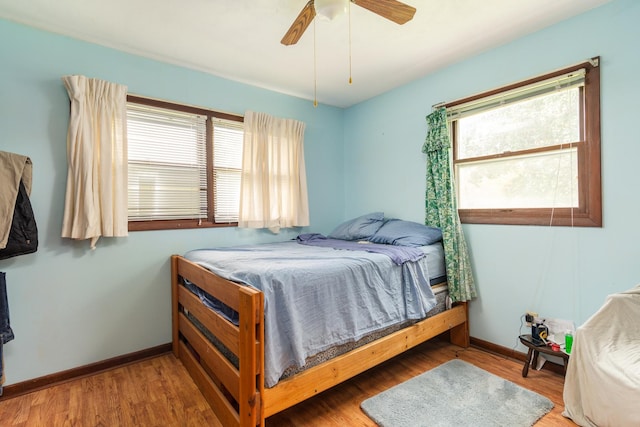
(529, 317)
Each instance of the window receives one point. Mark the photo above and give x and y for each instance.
(184, 165)
(529, 153)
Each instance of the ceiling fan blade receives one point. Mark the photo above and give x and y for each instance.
(391, 9)
(299, 26)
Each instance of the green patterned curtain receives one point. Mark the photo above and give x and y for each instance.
(441, 207)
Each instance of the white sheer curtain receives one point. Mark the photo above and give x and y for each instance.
(273, 190)
(96, 198)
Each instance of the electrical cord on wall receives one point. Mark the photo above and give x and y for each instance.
(522, 318)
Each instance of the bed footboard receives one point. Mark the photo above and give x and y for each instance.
(234, 392)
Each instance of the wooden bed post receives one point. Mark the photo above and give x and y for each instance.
(174, 305)
(251, 354)
(459, 335)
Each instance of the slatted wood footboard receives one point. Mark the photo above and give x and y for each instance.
(236, 391)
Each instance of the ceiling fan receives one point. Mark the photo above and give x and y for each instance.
(391, 9)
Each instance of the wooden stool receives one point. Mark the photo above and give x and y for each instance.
(534, 350)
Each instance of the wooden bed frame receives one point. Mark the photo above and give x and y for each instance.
(237, 395)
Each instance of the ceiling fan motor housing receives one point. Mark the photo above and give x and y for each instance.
(331, 8)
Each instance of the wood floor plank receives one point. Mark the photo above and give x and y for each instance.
(159, 392)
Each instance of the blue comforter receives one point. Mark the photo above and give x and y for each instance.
(319, 297)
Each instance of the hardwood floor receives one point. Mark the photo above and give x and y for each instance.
(159, 392)
(153, 392)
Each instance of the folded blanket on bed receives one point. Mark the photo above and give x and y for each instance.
(398, 254)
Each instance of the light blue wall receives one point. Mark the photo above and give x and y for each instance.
(70, 306)
(561, 272)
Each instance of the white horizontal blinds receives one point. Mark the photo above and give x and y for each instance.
(167, 164)
(544, 87)
(227, 164)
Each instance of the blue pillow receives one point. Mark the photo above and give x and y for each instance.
(360, 228)
(406, 233)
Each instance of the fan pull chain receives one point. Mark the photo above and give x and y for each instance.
(315, 68)
(350, 79)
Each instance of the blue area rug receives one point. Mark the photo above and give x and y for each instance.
(456, 393)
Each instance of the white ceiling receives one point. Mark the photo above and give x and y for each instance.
(240, 39)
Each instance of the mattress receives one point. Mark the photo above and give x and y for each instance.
(319, 298)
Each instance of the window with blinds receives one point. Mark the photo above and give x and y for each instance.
(530, 153)
(227, 164)
(184, 165)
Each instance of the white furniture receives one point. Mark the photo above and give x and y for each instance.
(602, 385)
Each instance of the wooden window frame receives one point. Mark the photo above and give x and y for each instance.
(589, 210)
(144, 225)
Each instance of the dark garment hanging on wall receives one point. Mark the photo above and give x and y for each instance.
(6, 333)
(23, 237)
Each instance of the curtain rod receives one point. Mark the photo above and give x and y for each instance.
(594, 62)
